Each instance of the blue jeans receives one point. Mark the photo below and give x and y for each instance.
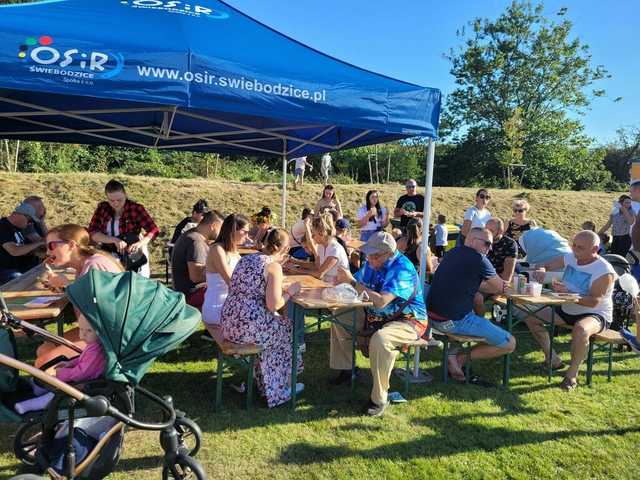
(476, 326)
(8, 274)
(365, 234)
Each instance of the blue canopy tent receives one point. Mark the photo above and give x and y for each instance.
(194, 75)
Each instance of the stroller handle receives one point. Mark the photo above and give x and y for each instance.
(44, 377)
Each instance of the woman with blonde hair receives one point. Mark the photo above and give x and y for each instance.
(519, 223)
(328, 253)
(250, 315)
(69, 246)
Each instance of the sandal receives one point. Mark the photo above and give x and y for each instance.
(558, 366)
(568, 384)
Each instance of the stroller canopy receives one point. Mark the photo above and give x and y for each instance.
(135, 318)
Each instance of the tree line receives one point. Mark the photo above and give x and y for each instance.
(523, 83)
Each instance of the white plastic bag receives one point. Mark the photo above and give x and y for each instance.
(343, 293)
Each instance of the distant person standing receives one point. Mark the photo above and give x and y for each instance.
(442, 235)
(410, 205)
(477, 215)
(300, 165)
(325, 167)
(620, 220)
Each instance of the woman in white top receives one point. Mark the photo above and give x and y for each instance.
(477, 215)
(221, 261)
(372, 216)
(328, 253)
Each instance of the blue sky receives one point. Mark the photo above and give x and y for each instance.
(407, 40)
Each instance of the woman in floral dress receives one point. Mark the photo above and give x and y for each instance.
(250, 315)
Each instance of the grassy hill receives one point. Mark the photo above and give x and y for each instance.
(73, 197)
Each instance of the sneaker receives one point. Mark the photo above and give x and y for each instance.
(631, 339)
(376, 410)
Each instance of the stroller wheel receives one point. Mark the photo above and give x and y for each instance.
(26, 441)
(189, 434)
(183, 467)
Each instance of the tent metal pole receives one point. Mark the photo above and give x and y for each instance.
(283, 211)
(428, 188)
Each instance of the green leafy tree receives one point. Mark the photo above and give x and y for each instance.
(518, 76)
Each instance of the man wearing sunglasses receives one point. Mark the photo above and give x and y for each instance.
(410, 205)
(462, 272)
(16, 253)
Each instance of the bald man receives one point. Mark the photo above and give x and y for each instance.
(590, 276)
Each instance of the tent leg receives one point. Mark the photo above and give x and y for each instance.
(283, 210)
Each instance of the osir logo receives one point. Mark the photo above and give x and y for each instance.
(181, 8)
(71, 63)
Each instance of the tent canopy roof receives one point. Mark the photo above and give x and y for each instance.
(195, 75)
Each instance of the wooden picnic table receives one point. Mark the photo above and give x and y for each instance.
(310, 298)
(355, 244)
(531, 306)
(28, 286)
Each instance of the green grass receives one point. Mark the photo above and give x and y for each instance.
(531, 430)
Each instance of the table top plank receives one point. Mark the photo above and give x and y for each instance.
(29, 285)
(544, 299)
(312, 298)
(355, 244)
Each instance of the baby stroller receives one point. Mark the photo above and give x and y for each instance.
(80, 433)
(622, 299)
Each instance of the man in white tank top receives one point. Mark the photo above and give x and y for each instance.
(592, 278)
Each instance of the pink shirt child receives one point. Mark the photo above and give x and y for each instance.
(89, 365)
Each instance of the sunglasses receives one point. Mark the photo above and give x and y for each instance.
(483, 196)
(412, 186)
(52, 244)
(519, 210)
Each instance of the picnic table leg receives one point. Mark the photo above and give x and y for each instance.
(552, 333)
(354, 338)
(507, 358)
(60, 324)
(293, 312)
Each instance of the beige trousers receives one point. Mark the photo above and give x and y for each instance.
(383, 350)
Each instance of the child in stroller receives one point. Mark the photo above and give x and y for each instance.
(89, 365)
(80, 434)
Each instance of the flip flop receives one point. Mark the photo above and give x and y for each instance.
(568, 384)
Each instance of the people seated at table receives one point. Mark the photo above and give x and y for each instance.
(329, 200)
(328, 253)
(393, 285)
(519, 223)
(372, 216)
(592, 278)
(343, 236)
(17, 254)
(118, 224)
(189, 258)
(410, 245)
(221, 261)
(477, 215)
(187, 223)
(409, 205)
(504, 250)
(69, 246)
(38, 229)
(250, 315)
(463, 271)
(261, 227)
(298, 235)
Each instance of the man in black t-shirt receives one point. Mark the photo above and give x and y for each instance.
(410, 205)
(16, 254)
(462, 272)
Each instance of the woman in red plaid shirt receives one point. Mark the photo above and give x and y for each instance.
(119, 216)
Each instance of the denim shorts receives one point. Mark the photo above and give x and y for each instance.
(476, 326)
(299, 171)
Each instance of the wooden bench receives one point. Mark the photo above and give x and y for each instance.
(462, 339)
(607, 338)
(231, 353)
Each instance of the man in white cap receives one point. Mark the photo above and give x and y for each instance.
(394, 288)
(16, 254)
